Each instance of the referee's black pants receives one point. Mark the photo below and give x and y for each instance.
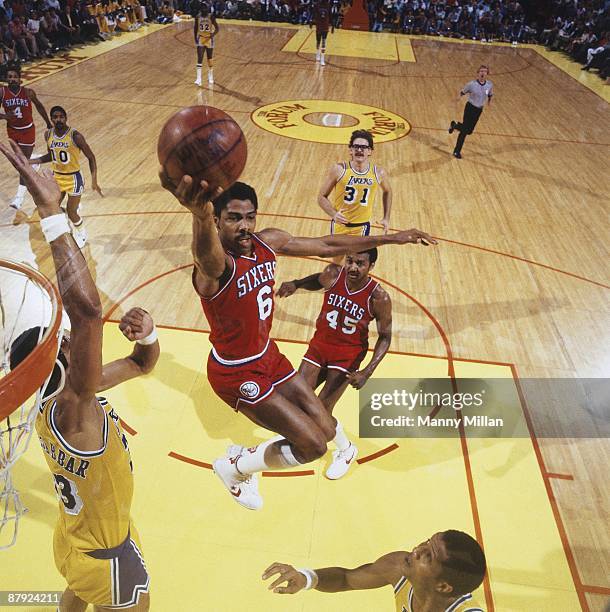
(471, 116)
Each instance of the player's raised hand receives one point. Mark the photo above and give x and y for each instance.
(295, 581)
(192, 195)
(42, 187)
(287, 289)
(413, 236)
(136, 324)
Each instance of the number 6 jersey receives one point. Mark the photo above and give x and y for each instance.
(240, 314)
(94, 488)
(345, 316)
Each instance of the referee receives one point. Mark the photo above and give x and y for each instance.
(478, 91)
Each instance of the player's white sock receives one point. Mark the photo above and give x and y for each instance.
(340, 438)
(198, 79)
(279, 456)
(21, 189)
(322, 62)
(317, 55)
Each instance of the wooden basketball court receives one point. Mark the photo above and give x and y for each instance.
(517, 288)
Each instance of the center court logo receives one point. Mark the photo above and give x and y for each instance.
(329, 121)
(249, 389)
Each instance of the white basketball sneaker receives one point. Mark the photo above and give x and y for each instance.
(80, 236)
(17, 202)
(243, 488)
(198, 82)
(342, 460)
(322, 62)
(318, 55)
(210, 77)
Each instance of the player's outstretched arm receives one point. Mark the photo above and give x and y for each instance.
(328, 184)
(211, 262)
(313, 282)
(137, 326)
(330, 246)
(81, 143)
(381, 307)
(336, 579)
(77, 289)
(40, 107)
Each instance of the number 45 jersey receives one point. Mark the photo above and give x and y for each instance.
(345, 316)
(240, 314)
(94, 487)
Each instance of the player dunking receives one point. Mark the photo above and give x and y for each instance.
(206, 28)
(64, 145)
(17, 102)
(436, 576)
(234, 276)
(95, 544)
(353, 185)
(351, 301)
(321, 17)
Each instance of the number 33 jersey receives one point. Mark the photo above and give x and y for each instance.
(95, 487)
(345, 316)
(355, 193)
(240, 314)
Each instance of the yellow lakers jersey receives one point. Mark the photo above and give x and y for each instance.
(94, 488)
(65, 155)
(403, 593)
(355, 192)
(204, 30)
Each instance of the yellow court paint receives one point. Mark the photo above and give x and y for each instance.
(304, 120)
(297, 41)
(205, 552)
(405, 49)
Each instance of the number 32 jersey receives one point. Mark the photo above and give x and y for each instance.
(355, 192)
(240, 314)
(345, 316)
(94, 488)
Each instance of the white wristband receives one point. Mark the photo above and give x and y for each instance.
(310, 576)
(150, 339)
(53, 227)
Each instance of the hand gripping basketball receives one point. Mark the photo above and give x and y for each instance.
(194, 196)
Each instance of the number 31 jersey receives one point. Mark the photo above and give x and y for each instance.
(240, 314)
(94, 488)
(345, 316)
(355, 193)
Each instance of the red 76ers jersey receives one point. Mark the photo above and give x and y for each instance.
(18, 107)
(240, 314)
(345, 316)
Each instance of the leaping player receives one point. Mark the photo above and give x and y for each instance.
(234, 276)
(352, 299)
(206, 28)
(17, 102)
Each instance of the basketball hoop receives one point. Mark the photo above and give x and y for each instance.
(27, 299)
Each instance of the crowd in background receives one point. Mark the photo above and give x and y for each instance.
(31, 29)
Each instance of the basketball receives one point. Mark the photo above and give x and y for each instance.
(205, 143)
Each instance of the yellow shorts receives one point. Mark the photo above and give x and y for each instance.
(107, 577)
(73, 184)
(351, 229)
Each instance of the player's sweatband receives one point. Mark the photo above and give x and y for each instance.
(310, 576)
(53, 227)
(150, 339)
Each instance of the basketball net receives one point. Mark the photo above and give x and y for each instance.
(26, 301)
